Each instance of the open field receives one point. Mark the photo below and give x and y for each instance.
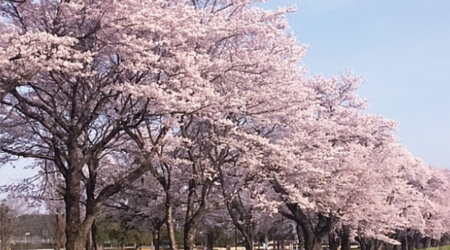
(447, 247)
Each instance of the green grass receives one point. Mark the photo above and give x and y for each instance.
(447, 247)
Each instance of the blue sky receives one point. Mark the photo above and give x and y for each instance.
(400, 48)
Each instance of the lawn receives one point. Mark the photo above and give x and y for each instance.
(447, 247)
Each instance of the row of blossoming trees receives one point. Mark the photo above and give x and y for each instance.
(182, 109)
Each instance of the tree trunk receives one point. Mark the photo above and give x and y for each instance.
(77, 229)
(411, 244)
(299, 235)
(403, 238)
(386, 246)
(157, 238)
(170, 225)
(93, 234)
(189, 234)
(248, 242)
(345, 237)
(246, 227)
(362, 243)
(378, 244)
(333, 241)
(89, 241)
(427, 242)
(194, 216)
(75, 242)
(76, 239)
(365, 244)
(311, 234)
(311, 242)
(266, 240)
(210, 239)
(434, 243)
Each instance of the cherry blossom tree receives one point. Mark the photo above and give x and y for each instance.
(229, 60)
(202, 105)
(63, 100)
(337, 150)
(388, 203)
(78, 76)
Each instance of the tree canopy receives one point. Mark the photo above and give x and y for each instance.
(178, 111)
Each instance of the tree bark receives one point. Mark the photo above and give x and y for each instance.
(434, 243)
(362, 243)
(76, 238)
(345, 237)
(365, 244)
(93, 234)
(248, 244)
(312, 234)
(311, 242)
(333, 241)
(157, 238)
(377, 244)
(194, 216)
(170, 225)
(190, 230)
(210, 239)
(77, 229)
(427, 242)
(266, 240)
(242, 220)
(90, 241)
(298, 229)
